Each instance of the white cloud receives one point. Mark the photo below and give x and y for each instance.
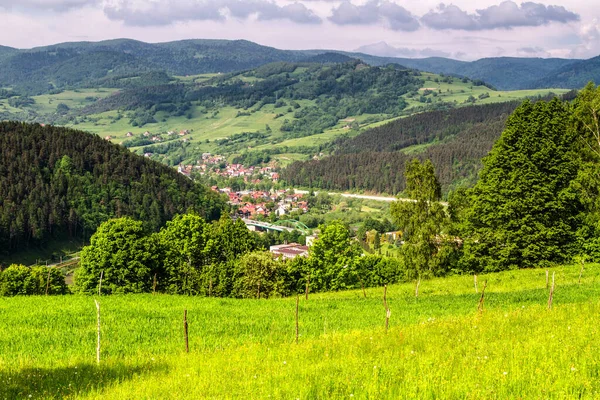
(375, 12)
(506, 15)
(166, 12)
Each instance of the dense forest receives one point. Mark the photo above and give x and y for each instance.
(455, 140)
(57, 182)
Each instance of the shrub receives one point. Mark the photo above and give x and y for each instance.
(21, 280)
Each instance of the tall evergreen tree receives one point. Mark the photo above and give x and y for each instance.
(586, 123)
(523, 210)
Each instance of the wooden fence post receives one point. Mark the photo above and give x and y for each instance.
(154, 286)
(481, 299)
(297, 330)
(185, 331)
(307, 287)
(362, 285)
(388, 313)
(546, 279)
(417, 287)
(97, 331)
(581, 270)
(475, 282)
(100, 283)
(551, 295)
(48, 282)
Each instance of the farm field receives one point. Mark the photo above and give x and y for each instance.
(438, 345)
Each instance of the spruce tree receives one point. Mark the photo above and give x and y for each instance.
(523, 210)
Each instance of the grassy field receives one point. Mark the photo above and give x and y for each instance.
(438, 345)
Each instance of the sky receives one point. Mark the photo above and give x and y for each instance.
(463, 29)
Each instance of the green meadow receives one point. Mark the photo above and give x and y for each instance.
(207, 126)
(438, 344)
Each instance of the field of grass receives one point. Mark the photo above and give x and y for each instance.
(438, 345)
(459, 92)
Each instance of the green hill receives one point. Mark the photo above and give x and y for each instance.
(88, 64)
(455, 140)
(284, 111)
(81, 64)
(58, 183)
(504, 73)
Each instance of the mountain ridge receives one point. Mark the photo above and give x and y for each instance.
(81, 64)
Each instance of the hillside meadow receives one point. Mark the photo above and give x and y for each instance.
(438, 345)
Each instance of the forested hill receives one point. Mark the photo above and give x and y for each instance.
(454, 140)
(83, 64)
(504, 73)
(338, 90)
(573, 75)
(61, 183)
(96, 64)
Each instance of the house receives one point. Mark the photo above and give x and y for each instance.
(146, 134)
(289, 251)
(108, 137)
(129, 134)
(281, 210)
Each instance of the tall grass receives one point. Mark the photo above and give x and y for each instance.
(438, 346)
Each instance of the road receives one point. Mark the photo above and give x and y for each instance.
(363, 196)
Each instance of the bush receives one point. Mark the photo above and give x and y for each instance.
(258, 275)
(21, 280)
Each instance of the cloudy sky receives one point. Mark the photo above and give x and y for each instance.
(463, 29)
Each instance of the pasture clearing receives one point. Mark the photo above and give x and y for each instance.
(438, 345)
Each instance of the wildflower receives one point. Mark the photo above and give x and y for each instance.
(285, 362)
(573, 369)
(505, 373)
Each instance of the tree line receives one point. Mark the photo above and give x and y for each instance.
(191, 256)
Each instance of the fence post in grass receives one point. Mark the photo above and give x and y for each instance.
(48, 282)
(475, 282)
(185, 331)
(417, 287)
(307, 287)
(388, 312)
(546, 279)
(100, 283)
(154, 286)
(551, 295)
(297, 301)
(97, 331)
(581, 270)
(481, 299)
(362, 285)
